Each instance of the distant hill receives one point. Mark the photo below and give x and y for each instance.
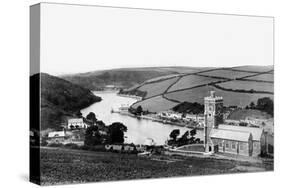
(123, 77)
(60, 98)
(237, 85)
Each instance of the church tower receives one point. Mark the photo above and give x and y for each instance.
(213, 117)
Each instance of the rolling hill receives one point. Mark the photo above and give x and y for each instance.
(60, 98)
(239, 86)
(124, 77)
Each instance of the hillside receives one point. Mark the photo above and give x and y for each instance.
(123, 77)
(59, 98)
(239, 86)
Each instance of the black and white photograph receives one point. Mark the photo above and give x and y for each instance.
(129, 93)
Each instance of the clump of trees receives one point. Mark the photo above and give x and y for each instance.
(98, 133)
(264, 104)
(187, 138)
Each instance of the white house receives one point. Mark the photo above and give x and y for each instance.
(75, 123)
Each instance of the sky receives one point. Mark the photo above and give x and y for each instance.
(76, 39)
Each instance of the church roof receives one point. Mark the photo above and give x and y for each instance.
(230, 135)
(256, 132)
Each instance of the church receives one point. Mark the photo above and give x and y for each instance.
(219, 137)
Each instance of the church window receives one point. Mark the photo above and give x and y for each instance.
(227, 144)
(233, 145)
(220, 143)
(241, 146)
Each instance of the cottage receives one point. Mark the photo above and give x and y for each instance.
(56, 136)
(76, 123)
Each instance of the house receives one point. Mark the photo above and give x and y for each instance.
(76, 123)
(220, 137)
(56, 136)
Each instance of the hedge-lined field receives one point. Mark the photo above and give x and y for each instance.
(262, 77)
(229, 98)
(155, 104)
(192, 81)
(157, 87)
(247, 85)
(226, 74)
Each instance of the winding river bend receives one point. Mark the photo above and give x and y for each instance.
(138, 129)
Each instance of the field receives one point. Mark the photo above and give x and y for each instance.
(229, 98)
(238, 86)
(242, 114)
(262, 77)
(192, 81)
(247, 85)
(254, 68)
(157, 88)
(226, 74)
(155, 104)
(62, 166)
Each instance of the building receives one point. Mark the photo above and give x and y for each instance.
(76, 123)
(219, 137)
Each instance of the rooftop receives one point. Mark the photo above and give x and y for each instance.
(230, 135)
(256, 132)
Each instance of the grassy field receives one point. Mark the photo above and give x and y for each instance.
(226, 74)
(247, 85)
(157, 88)
(191, 81)
(62, 166)
(262, 77)
(229, 98)
(155, 104)
(242, 114)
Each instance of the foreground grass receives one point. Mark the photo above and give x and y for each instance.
(60, 166)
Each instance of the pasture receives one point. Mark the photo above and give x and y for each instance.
(243, 113)
(155, 104)
(157, 88)
(262, 77)
(254, 68)
(191, 81)
(225, 73)
(229, 98)
(247, 85)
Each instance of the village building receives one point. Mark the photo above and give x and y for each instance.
(76, 123)
(219, 137)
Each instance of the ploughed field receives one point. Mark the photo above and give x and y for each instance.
(61, 166)
(239, 86)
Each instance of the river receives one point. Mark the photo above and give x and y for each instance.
(138, 129)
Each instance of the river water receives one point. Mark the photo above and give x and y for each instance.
(139, 130)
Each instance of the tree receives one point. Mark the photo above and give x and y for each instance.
(116, 132)
(92, 136)
(174, 134)
(92, 117)
(79, 114)
(139, 110)
(193, 132)
(265, 104)
(252, 105)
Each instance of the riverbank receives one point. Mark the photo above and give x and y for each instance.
(154, 118)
